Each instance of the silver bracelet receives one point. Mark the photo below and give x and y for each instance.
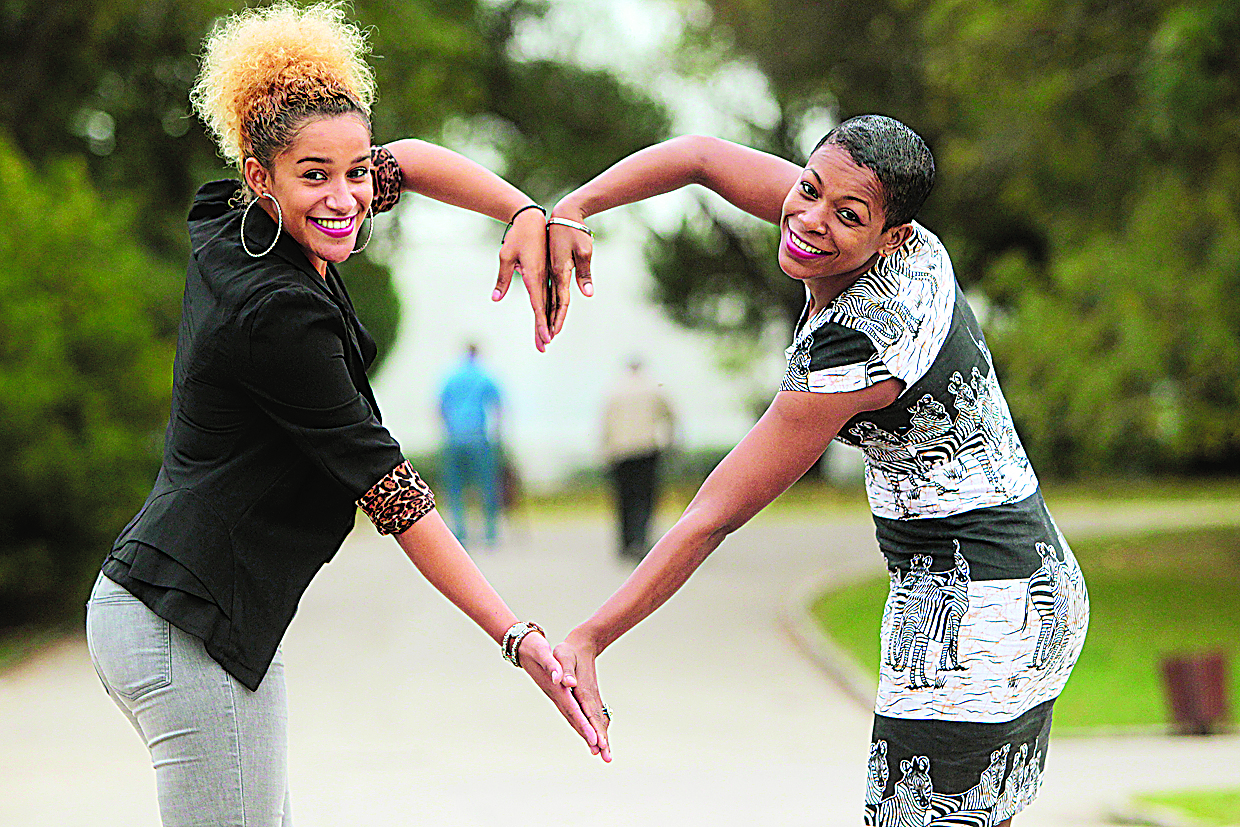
(568, 222)
(513, 637)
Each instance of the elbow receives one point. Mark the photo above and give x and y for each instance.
(699, 149)
(711, 526)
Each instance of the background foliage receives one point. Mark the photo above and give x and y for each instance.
(84, 375)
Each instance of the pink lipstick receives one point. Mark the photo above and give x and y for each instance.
(798, 252)
(339, 227)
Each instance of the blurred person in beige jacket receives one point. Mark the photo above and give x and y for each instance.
(637, 427)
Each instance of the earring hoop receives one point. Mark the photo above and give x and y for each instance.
(279, 225)
(371, 216)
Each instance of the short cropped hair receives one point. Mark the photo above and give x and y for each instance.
(897, 156)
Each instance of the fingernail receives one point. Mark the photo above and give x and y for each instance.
(497, 295)
(587, 289)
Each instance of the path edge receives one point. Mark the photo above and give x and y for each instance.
(820, 648)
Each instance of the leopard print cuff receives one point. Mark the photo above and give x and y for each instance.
(398, 500)
(388, 179)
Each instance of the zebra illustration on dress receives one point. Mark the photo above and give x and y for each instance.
(928, 607)
(1022, 784)
(956, 591)
(958, 439)
(1047, 594)
(978, 413)
(797, 377)
(908, 805)
(918, 574)
(892, 608)
(933, 442)
(1033, 779)
(914, 803)
(883, 321)
(993, 409)
(876, 774)
(980, 798)
(889, 456)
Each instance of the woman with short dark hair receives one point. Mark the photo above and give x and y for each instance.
(987, 610)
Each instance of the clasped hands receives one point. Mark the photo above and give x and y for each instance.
(546, 257)
(568, 678)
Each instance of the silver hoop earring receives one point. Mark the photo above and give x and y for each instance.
(279, 225)
(371, 216)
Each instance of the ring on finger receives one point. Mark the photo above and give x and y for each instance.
(606, 712)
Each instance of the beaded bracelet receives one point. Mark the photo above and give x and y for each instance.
(511, 221)
(568, 222)
(513, 637)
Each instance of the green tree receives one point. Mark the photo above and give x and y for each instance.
(84, 381)
(1109, 137)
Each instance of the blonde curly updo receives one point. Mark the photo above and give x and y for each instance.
(265, 71)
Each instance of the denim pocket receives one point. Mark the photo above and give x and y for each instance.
(130, 645)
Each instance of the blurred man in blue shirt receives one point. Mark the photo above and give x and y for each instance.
(469, 406)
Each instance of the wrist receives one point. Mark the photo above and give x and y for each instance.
(526, 213)
(510, 646)
(571, 208)
(586, 641)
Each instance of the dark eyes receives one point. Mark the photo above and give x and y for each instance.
(846, 215)
(357, 174)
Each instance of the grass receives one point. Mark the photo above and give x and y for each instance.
(1151, 595)
(1214, 807)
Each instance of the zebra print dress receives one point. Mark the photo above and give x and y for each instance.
(988, 609)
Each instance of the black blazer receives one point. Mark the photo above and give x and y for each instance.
(274, 435)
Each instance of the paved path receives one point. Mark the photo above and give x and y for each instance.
(403, 713)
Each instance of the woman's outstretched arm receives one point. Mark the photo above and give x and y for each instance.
(437, 554)
(450, 177)
(754, 181)
(780, 448)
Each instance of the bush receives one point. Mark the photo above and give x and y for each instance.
(1125, 354)
(85, 374)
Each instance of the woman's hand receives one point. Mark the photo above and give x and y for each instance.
(452, 178)
(524, 251)
(540, 664)
(577, 660)
(569, 251)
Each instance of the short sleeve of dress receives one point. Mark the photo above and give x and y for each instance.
(388, 179)
(833, 358)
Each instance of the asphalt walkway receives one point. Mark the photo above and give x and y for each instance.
(404, 713)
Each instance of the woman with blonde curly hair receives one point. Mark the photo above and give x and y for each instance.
(274, 437)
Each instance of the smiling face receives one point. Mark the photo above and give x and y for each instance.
(322, 181)
(832, 228)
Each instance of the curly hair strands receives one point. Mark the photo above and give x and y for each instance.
(266, 71)
(897, 156)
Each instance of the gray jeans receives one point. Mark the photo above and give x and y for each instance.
(220, 751)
